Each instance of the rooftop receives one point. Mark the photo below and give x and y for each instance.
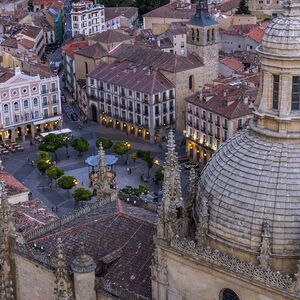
(70, 47)
(129, 75)
(156, 58)
(94, 51)
(118, 236)
(227, 100)
(174, 10)
(110, 36)
(113, 12)
(232, 63)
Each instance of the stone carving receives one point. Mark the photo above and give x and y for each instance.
(83, 263)
(7, 234)
(232, 264)
(101, 181)
(202, 226)
(192, 191)
(265, 248)
(172, 215)
(63, 289)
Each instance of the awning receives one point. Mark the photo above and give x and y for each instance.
(57, 132)
(56, 118)
(94, 160)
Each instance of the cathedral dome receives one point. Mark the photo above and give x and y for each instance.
(253, 179)
(282, 35)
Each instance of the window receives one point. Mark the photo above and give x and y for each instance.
(26, 116)
(191, 82)
(108, 87)
(16, 106)
(86, 67)
(198, 35)
(53, 87)
(193, 34)
(45, 100)
(213, 35)
(35, 101)
(228, 294)
(45, 113)
(225, 124)
(240, 123)
(7, 121)
(44, 89)
(296, 93)
(26, 104)
(54, 99)
(55, 110)
(275, 91)
(36, 114)
(207, 35)
(6, 108)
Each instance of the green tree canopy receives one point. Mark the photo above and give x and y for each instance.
(82, 194)
(243, 8)
(121, 147)
(52, 142)
(134, 156)
(80, 145)
(146, 156)
(43, 165)
(106, 143)
(55, 172)
(44, 155)
(159, 174)
(67, 182)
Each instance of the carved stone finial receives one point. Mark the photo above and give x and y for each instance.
(83, 263)
(101, 181)
(63, 289)
(265, 248)
(172, 212)
(202, 226)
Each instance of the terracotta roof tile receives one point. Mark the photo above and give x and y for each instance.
(112, 233)
(256, 33)
(232, 63)
(70, 47)
(113, 12)
(110, 36)
(14, 186)
(94, 51)
(136, 77)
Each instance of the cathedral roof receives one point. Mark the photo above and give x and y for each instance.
(118, 236)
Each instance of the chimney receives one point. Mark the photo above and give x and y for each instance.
(224, 94)
(246, 100)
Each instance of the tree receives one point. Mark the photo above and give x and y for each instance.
(44, 155)
(67, 182)
(121, 147)
(243, 8)
(80, 145)
(43, 165)
(106, 143)
(52, 142)
(134, 157)
(82, 194)
(147, 157)
(159, 174)
(55, 172)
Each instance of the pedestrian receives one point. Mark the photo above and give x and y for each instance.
(52, 208)
(129, 170)
(28, 159)
(56, 208)
(82, 183)
(142, 177)
(54, 162)
(50, 185)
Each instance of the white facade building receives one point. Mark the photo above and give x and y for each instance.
(87, 18)
(29, 105)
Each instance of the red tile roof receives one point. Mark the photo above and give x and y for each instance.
(73, 45)
(136, 77)
(256, 33)
(225, 100)
(113, 12)
(14, 186)
(118, 236)
(111, 36)
(95, 51)
(31, 215)
(232, 63)
(156, 58)
(229, 5)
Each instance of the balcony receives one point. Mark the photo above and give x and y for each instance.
(217, 123)
(203, 117)
(108, 102)
(45, 103)
(217, 136)
(102, 100)
(190, 123)
(122, 94)
(165, 111)
(157, 113)
(116, 104)
(171, 108)
(196, 114)
(225, 126)
(197, 126)
(54, 90)
(210, 133)
(210, 120)
(190, 111)
(203, 129)
(138, 111)
(123, 106)
(130, 108)
(146, 114)
(224, 139)
(44, 91)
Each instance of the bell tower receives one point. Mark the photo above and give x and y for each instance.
(203, 40)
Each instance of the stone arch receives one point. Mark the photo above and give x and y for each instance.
(193, 34)
(94, 113)
(228, 294)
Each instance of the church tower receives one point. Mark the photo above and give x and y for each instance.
(203, 39)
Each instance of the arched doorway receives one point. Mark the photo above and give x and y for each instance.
(94, 113)
(228, 294)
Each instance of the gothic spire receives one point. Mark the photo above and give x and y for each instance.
(101, 154)
(63, 289)
(202, 16)
(171, 211)
(265, 248)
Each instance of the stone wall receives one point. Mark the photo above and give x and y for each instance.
(33, 281)
(190, 279)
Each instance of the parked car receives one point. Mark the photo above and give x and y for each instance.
(74, 117)
(149, 197)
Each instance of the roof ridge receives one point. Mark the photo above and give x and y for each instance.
(66, 219)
